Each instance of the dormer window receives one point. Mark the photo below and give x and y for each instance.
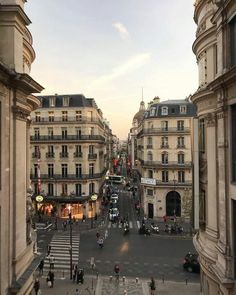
(152, 112)
(183, 109)
(164, 111)
(52, 101)
(66, 101)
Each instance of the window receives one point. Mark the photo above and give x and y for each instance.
(78, 170)
(180, 158)
(149, 192)
(91, 149)
(181, 176)
(91, 188)
(233, 146)
(50, 170)
(50, 132)
(78, 115)
(232, 27)
(64, 133)
(36, 151)
(50, 151)
(150, 125)
(91, 131)
(149, 156)
(152, 111)
(51, 116)
(64, 151)
(164, 142)
(64, 189)
(52, 101)
(180, 142)
(202, 208)
(78, 189)
(64, 171)
(164, 125)
(183, 109)
(164, 158)
(202, 144)
(91, 169)
(78, 132)
(149, 140)
(165, 176)
(78, 149)
(164, 111)
(35, 170)
(150, 174)
(36, 133)
(50, 189)
(180, 125)
(37, 117)
(64, 116)
(90, 116)
(66, 101)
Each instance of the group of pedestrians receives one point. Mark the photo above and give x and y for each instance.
(78, 274)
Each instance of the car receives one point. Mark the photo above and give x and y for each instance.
(191, 263)
(113, 214)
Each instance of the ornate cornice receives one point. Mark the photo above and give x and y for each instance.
(211, 120)
(20, 113)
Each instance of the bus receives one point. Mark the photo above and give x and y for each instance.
(116, 179)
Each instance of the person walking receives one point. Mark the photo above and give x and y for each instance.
(76, 292)
(152, 286)
(75, 270)
(41, 265)
(51, 262)
(36, 286)
(49, 249)
(50, 279)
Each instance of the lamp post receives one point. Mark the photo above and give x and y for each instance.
(70, 221)
(93, 199)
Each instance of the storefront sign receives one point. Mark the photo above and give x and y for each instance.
(39, 199)
(94, 197)
(151, 181)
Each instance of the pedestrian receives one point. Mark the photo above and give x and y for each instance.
(80, 276)
(83, 220)
(41, 265)
(152, 286)
(100, 242)
(97, 235)
(51, 261)
(75, 269)
(50, 279)
(49, 249)
(106, 234)
(76, 292)
(36, 286)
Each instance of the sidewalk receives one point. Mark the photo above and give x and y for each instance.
(103, 285)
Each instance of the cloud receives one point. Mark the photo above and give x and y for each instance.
(130, 65)
(122, 30)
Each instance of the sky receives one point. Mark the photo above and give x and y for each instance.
(110, 50)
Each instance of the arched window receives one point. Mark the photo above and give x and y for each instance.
(173, 204)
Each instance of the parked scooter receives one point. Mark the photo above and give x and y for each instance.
(144, 230)
(155, 228)
(168, 228)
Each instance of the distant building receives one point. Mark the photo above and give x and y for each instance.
(164, 158)
(17, 259)
(215, 50)
(71, 145)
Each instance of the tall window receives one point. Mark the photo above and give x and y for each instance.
(91, 169)
(78, 170)
(78, 115)
(51, 116)
(150, 174)
(35, 170)
(180, 158)
(78, 189)
(91, 149)
(64, 132)
(91, 188)
(36, 133)
(149, 156)
(50, 189)
(50, 132)
(181, 176)
(37, 117)
(64, 189)
(180, 125)
(164, 111)
(90, 116)
(183, 109)
(180, 142)
(232, 26)
(66, 101)
(164, 158)
(36, 151)
(233, 146)
(50, 170)
(164, 142)
(78, 132)
(52, 101)
(149, 141)
(64, 116)
(202, 208)
(165, 176)
(202, 131)
(64, 151)
(64, 170)
(91, 131)
(50, 151)
(164, 125)
(78, 149)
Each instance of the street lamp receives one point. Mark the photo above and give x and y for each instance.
(70, 221)
(93, 199)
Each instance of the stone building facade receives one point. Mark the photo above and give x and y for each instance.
(215, 50)
(164, 158)
(71, 146)
(17, 260)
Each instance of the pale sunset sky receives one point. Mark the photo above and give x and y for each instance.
(109, 49)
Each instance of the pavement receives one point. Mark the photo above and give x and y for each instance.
(104, 285)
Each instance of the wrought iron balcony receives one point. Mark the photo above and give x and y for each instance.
(67, 138)
(164, 146)
(92, 156)
(78, 155)
(36, 155)
(50, 155)
(64, 155)
(149, 146)
(149, 131)
(167, 165)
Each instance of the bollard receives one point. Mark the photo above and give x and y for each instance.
(123, 279)
(163, 279)
(136, 280)
(110, 278)
(186, 281)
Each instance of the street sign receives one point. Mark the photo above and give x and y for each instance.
(39, 199)
(94, 197)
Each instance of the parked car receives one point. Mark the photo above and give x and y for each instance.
(113, 214)
(191, 263)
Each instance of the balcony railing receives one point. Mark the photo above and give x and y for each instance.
(67, 177)
(36, 155)
(180, 146)
(166, 165)
(149, 146)
(164, 146)
(78, 155)
(50, 155)
(164, 130)
(67, 137)
(173, 183)
(72, 119)
(64, 155)
(92, 156)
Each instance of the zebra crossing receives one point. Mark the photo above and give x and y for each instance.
(60, 250)
(132, 224)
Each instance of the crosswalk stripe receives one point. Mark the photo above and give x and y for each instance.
(119, 225)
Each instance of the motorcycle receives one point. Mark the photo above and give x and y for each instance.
(168, 228)
(126, 230)
(155, 228)
(144, 231)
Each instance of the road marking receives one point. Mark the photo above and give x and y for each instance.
(138, 223)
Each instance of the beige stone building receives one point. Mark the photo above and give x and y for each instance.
(164, 158)
(215, 50)
(17, 260)
(71, 145)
